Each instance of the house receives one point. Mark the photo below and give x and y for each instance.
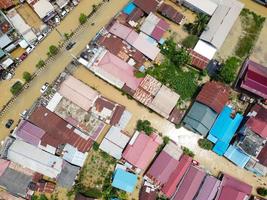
(147, 6)
(147, 193)
(221, 22)
(58, 131)
(207, 7)
(115, 71)
(124, 180)
(208, 189)
(171, 13)
(142, 43)
(29, 133)
(177, 175)
(21, 26)
(5, 4)
(73, 155)
(14, 181)
(198, 61)
(205, 49)
(237, 156)
(164, 165)
(35, 159)
(234, 189)
(189, 186)
(154, 26)
(141, 150)
(62, 3)
(43, 8)
(224, 129)
(253, 78)
(114, 142)
(66, 178)
(135, 16)
(78, 92)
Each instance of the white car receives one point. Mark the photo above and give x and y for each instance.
(44, 87)
(64, 13)
(30, 49)
(40, 37)
(57, 20)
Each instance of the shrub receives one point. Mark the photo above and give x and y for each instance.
(27, 76)
(228, 72)
(139, 74)
(90, 192)
(188, 152)
(53, 50)
(205, 144)
(82, 18)
(144, 125)
(190, 41)
(262, 191)
(40, 64)
(16, 88)
(95, 146)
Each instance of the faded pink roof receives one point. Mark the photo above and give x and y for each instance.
(120, 30)
(230, 193)
(209, 188)
(3, 165)
(119, 69)
(30, 133)
(189, 186)
(78, 92)
(142, 151)
(177, 175)
(162, 168)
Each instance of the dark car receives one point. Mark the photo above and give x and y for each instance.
(23, 56)
(70, 45)
(9, 123)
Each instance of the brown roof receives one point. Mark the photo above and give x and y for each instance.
(171, 13)
(5, 4)
(198, 60)
(117, 115)
(176, 116)
(262, 157)
(147, 5)
(145, 195)
(58, 131)
(215, 95)
(102, 103)
(135, 15)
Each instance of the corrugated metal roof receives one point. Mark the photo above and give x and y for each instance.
(147, 6)
(206, 6)
(124, 180)
(73, 156)
(209, 188)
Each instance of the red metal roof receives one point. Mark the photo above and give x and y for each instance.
(135, 15)
(5, 4)
(198, 60)
(58, 131)
(147, 194)
(262, 157)
(117, 115)
(255, 79)
(171, 13)
(215, 95)
(147, 5)
(170, 187)
(258, 123)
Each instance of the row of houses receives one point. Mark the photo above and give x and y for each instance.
(53, 140)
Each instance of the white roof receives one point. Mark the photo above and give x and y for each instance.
(5, 64)
(149, 24)
(173, 150)
(30, 36)
(206, 6)
(23, 44)
(221, 22)
(62, 3)
(17, 21)
(43, 8)
(205, 49)
(114, 142)
(73, 155)
(35, 159)
(52, 104)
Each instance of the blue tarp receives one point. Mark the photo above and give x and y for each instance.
(129, 8)
(224, 129)
(124, 180)
(236, 156)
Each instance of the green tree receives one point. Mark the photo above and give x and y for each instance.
(144, 125)
(53, 50)
(188, 152)
(40, 64)
(95, 146)
(16, 88)
(190, 41)
(82, 18)
(228, 72)
(27, 76)
(205, 144)
(199, 25)
(182, 58)
(94, 8)
(262, 191)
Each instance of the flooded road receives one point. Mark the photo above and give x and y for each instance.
(256, 7)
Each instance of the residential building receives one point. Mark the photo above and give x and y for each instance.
(147, 6)
(207, 7)
(209, 188)
(62, 3)
(237, 156)
(198, 61)
(141, 150)
(221, 22)
(205, 49)
(164, 165)
(114, 142)
(35, 159)
(124, 180)
(147, 193)
(253, 78)
(224, 129)
(5, 4)
(66, 178)
(73, 155)
(171, 13)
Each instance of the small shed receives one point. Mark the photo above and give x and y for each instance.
(124, 180)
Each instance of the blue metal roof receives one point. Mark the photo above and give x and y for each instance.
(129, 8)
(236, 156)
(224, 129)
(124, 180)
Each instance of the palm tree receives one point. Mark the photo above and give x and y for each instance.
(200, 23)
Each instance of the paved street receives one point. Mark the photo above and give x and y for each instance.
(27, 97)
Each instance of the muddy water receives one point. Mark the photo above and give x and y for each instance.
(258, 8)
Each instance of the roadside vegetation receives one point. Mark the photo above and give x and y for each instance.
(205, 144)
(252, 25)
(41, 197)
(16, 88)
(82, 18)
(173, 72)
(229, 70)
(40, 64)
(188, 152)
(27, 76)
(262, 191)
(52, 50)
(144, 125)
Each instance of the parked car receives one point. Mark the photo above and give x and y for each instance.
(24, 113)
(75, 2)
(9, 123)
(44, 87)
(23, 57)
(30, 49)
(40, 37)
(70, 45)
(57, 20)
(64, 13)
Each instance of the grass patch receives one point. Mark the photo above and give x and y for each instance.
(252, 25)
(139, 74)
(190, 41)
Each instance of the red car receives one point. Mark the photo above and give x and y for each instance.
(23, 56)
